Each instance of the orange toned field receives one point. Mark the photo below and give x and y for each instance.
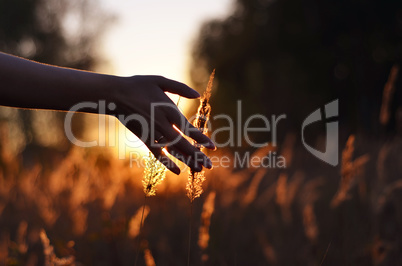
(280, 65)
(85, 202)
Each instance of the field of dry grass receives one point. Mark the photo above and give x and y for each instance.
(81, 207)
(84, 206)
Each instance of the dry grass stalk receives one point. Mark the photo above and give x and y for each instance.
(79, 217)
(267, 248)
(287, 148)
(195, 180)
(286, 192)
(21, 237)
(387, 192)
(4, 246)
(47, 210)
(389, 90)
(281, 189)
(350, 171)
(28, 183)
(80, 193)
(359, 166)
(148, 258)
(310, 222)
(311, 192)
(381, 162)
(309, 195)
(207, 211)
(50, 256)
(154, 174)
(137, 220)
(110, 194)
(194, 185)
(252, 189)
(293, 187)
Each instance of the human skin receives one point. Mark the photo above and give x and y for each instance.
(29, 84)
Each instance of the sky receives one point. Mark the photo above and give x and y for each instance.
(154, 37)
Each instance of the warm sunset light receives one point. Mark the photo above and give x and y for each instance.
(154, 38)
(293, 155)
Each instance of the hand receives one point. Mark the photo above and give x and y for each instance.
(153, 115)
(142, 105)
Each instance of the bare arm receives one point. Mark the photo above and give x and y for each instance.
(28, 84)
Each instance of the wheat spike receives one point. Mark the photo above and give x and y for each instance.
(21, 237)
(386, 194)
(194, 185)
(350, 170)
(267, 248)
(251, 193)
(137, 220)
(286, 192)
(195, 180)
(310, 222)
(288, 148)
(50, 256)
(154, 174)
(207, 211)
(310, 195)
(388, 93)
(148, 258)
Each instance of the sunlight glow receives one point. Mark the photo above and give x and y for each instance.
(154, 38)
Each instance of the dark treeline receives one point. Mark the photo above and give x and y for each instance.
(292, 57)
(64, 33)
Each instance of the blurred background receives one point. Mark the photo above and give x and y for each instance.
(65, 205)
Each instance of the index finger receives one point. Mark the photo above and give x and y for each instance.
(177, 88)
(181, 122)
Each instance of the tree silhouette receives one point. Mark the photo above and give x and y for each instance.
(60, 32)
(293, 56)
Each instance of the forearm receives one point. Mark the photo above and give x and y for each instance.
(28, 84)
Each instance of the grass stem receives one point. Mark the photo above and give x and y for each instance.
(189, 233)
(140, 233)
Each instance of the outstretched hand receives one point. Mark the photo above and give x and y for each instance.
(155, 119)
(141, 102)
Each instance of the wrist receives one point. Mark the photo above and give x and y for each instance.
(107, 90)
(113, 90)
